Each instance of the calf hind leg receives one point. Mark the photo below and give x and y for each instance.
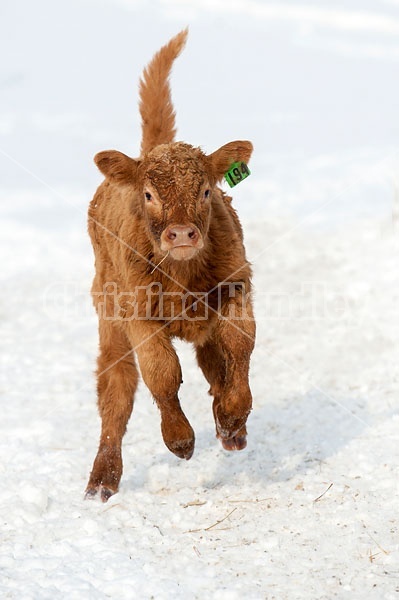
(117, 379)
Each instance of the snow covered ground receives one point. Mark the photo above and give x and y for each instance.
(309, 509)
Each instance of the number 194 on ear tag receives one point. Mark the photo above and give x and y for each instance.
(237, 172)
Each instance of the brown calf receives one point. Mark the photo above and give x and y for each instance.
(170, 262)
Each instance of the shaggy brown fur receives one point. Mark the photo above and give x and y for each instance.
(170, 262)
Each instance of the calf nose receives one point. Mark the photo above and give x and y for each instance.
(181, 235)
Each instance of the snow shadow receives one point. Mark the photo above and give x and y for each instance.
(285, 438)
(293, 436)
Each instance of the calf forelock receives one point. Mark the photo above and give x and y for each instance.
(177, 171)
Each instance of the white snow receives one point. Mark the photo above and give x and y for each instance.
(309, 509)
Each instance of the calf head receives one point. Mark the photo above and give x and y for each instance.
(175, 183)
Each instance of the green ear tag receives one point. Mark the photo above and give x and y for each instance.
(237, 172)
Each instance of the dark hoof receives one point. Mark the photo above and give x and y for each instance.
(182, 448)
(102, 492)
(239, 442)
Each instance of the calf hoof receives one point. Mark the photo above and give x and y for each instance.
(228, 428)
(178, 436)
(238, 442)
(99, 491)
(182, 448)
(106, 473)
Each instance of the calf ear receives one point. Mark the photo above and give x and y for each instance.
(116, 166)
(220, 160)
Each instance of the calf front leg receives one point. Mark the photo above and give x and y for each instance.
(224, 360)
(161, 372)
(117, 379)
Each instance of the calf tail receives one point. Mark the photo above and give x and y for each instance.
(156, 108)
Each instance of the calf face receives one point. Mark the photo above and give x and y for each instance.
(177, 195)
(173, 185)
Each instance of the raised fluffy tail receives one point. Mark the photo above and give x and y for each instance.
(156, 108)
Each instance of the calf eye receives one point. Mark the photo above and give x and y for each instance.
(207, 193)
(148, 196)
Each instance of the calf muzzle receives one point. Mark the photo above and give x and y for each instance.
(181, 241)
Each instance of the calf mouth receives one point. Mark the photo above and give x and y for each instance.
(183, 252)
